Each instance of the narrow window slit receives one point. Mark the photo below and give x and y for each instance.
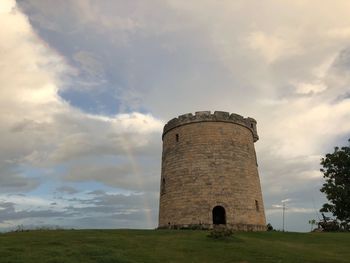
(162, 190)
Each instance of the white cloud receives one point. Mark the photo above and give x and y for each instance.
(281, 63)
(6, 6)
(306, 88)
(38, 128)
(277, 209)
(339, 33)
(272, 48)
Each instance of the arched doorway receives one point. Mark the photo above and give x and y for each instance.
(219, 215)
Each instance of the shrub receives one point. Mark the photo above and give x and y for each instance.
(220, 233)
(269, 227)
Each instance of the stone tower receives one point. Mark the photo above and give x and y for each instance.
(209, 173)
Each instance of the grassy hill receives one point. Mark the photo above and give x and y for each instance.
(107, 246)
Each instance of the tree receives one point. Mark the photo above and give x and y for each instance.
(336, 172)
(312, 222)
(269, 227)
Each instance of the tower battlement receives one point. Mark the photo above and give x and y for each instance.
(217, 116)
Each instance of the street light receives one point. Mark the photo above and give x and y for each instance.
(284, 208)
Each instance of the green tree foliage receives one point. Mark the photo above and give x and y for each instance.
(269, 227)
(336, 172)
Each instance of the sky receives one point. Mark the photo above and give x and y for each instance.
(87, 86)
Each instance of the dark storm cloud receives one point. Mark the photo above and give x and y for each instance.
(342, 61)
(8, 212)
(17, 183)
(12, 180)
(135, 210)
(117, 209)
(114, 203)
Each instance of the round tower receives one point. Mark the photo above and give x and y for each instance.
(209, 173)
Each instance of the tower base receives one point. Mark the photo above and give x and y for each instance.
(234, 227)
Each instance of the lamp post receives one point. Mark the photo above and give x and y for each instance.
(283, 209)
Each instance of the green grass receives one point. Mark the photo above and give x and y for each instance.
(107, 246)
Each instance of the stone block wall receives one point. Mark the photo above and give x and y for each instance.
(209, 160)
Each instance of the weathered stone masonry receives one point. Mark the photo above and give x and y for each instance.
(209, 173)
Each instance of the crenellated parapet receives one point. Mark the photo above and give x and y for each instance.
(217, 116)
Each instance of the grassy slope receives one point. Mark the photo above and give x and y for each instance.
(171, 246)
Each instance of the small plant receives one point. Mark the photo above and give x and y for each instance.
(269, 227)
(220, 233)
(196, 227)
(19, 228)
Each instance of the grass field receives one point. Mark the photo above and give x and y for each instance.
(107, 246)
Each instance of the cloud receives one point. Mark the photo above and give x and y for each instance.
(281, 63)
(13, 182)
(90, 69)
(9, 213)
(128, 175)
(272, 47)
(307, 88)
(116, 209)
(42, 136)
(66, 189)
